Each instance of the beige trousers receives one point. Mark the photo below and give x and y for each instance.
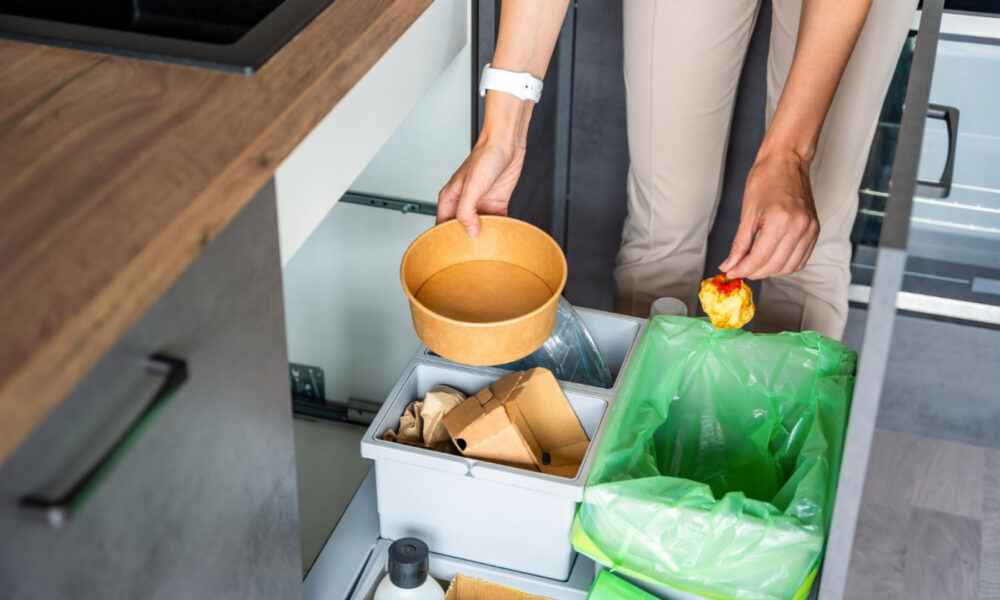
(683, 60)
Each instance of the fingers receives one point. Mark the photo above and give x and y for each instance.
(807, 236)
(476, 184)
(476, 188)
(794, 259)
(467, 215)
(459, 199)
(807, 255)
(448, 199)
(783, 247)
(778, 258)
(741, 243)
(761, 251)
(799, 257)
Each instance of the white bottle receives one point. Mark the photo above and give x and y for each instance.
(407, 574)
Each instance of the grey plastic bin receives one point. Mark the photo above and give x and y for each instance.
(494, 514)
(615, 336)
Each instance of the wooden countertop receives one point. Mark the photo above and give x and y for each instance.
(115, 172)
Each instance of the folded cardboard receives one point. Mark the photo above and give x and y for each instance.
(467, 588)
(523, 420)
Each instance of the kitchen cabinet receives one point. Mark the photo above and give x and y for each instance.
(169, 470)
(397, 136)
(346, 310)
(322, 167)
(200, 498)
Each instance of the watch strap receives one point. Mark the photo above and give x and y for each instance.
(523, 85)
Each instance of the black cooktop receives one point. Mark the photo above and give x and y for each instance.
(238, 35)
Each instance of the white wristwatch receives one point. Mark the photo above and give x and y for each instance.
(523, 85)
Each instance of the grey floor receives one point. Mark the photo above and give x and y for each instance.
(943, 379)
(930, 518)
(930, 522)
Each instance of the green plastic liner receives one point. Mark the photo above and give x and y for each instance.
(609, 587)
(717, 470)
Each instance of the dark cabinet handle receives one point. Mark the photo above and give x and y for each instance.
(942, 187)
(57, 510)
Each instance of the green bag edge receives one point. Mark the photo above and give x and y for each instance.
(584, 545)
(609, 587)
(582, 542)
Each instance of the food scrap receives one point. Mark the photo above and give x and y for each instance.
(727, 302)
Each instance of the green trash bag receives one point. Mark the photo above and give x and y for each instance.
(717, 469)
(608, 587)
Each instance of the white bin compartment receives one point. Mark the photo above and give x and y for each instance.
(479, 511)
(615, 336)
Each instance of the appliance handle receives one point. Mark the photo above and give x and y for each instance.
(57, 510)
(942, 187)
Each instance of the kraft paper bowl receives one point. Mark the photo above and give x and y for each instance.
(484, 300)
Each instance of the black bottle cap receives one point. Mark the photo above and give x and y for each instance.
(408, 563)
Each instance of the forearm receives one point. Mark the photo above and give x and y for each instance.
(527, 36)
(828, 31)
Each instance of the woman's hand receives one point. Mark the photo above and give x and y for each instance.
(778, 226)
(485, 181)
(482, 185)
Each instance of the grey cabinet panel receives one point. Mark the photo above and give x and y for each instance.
(203, 504)
(598, 155)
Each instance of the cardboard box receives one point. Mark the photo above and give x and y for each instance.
(522, 420)
(467, 588)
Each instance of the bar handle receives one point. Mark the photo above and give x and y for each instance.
(57, 510)
(942, 187)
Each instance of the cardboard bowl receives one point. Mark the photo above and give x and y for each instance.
(486, 300)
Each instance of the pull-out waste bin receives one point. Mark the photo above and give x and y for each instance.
(717, 469)
(490, 513)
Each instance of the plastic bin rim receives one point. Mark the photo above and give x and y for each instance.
(375, 448)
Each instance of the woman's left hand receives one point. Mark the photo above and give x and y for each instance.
(778, 225)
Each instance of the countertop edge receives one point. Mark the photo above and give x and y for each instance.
(35, 388)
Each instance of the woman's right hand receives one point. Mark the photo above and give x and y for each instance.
(482, 185)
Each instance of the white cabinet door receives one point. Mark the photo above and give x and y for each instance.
(345, 308)
(317, 173)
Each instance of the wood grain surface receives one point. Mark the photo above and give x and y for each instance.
(942, 557)
(115, 172)
(928, 526)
